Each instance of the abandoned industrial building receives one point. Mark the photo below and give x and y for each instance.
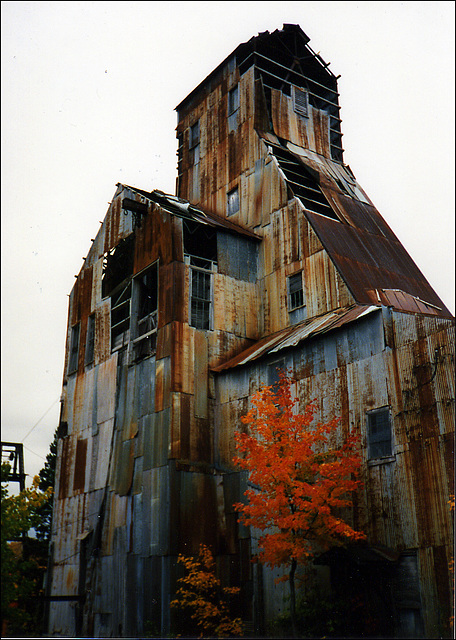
(269, 255)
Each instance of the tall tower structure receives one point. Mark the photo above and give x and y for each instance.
(269, 255)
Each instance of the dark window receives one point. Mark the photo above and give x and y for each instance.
(146, 302)
(194, 135)
(120, 317)
(233, 100)
(300, 102)
(232, 201)
(200, 240)
(379, 437)
(90, 340)
(118, 265)
(296, 296)
(200, 299)
(74, 349)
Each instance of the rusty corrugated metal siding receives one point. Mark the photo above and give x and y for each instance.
(144, 466)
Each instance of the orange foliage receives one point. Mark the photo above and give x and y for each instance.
(300, 483)
(201, 595)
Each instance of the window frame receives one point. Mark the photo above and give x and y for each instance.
(291, 306)
(143, 344)
(387, 455)
(207, 267)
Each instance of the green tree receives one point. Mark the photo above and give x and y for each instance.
(301, 483)
(47, 480)
(202, 599)
(21, 567)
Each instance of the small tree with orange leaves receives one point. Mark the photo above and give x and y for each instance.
(300, 484)
(201, 597)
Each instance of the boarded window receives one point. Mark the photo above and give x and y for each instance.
(232, 201)
(300, 102)
(296, 296)
(74, 349)
(90, 340)
(146, 314)
(200, 299)
(233, 100)
(80, 466)
(379, 437)
(194, 135)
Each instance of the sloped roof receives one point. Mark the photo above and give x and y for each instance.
(367, 254)
(292, 336)
(184, 209)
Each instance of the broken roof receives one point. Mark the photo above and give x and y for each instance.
(368, 255)
(184, 209)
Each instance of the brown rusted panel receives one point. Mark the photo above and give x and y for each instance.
(370, 261)
(79, 466)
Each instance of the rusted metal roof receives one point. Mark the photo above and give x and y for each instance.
(184, 209)
(371, 260)
(291, 336)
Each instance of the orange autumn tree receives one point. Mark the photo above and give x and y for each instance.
(300, 482)
(201, 596)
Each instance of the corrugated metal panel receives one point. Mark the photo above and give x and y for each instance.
(292, 336)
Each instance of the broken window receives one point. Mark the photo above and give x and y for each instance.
(379, 435)
(120, 317)
(300, 102)
(296, 297)
(200, 240)
(232, 201)
(145, 296)
(74, 349)
(117, 265)
(90, 340)
(302, 182)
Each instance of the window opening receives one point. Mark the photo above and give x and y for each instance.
(379, 435)
(302, 183)
(146, 301)
(200, 240)
(194, 135)
(74, 349)
(232, 203)
(120, 317)
(296, 296)
(117, 265)
(233, 100)
(200, 298)
(90, 340)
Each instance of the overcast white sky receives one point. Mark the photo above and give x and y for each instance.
(88, 97)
